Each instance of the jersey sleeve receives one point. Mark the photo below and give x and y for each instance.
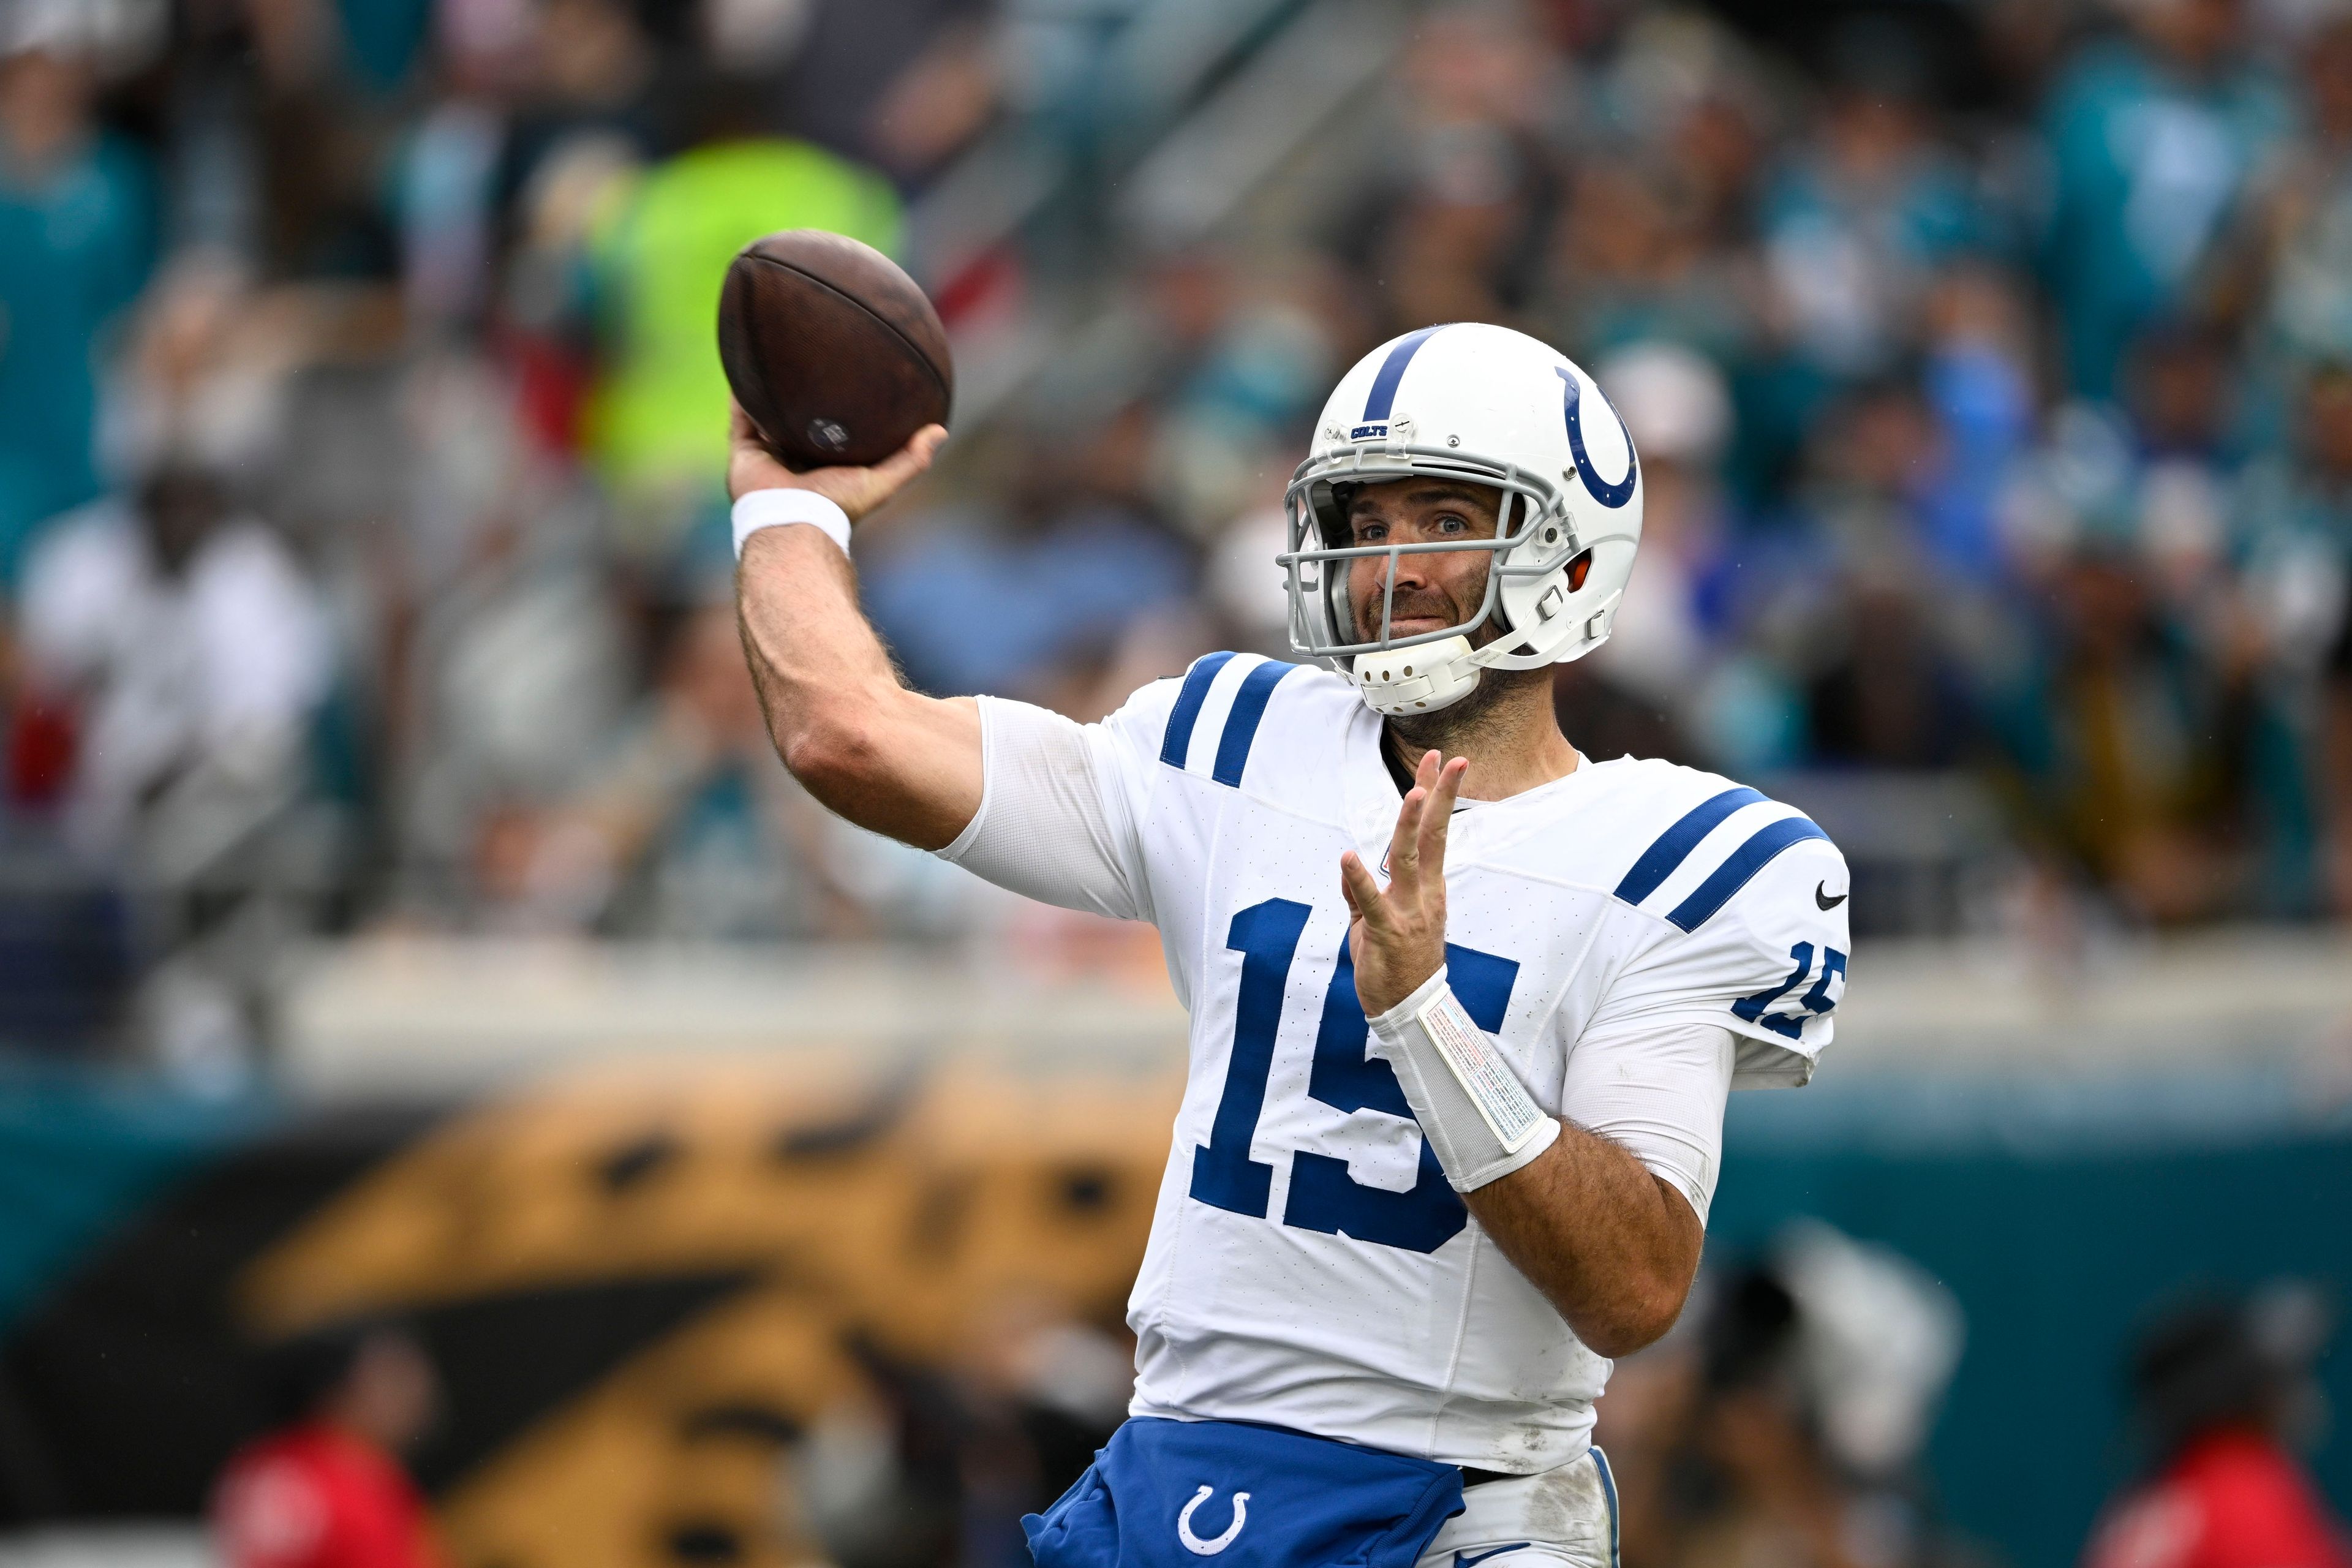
(1061, 803)
(1768, 963)
(1658, 1091)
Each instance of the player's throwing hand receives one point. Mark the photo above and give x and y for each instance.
(1397, 938)
(752, 466)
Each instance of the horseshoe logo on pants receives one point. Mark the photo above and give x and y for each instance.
(1193, 1543)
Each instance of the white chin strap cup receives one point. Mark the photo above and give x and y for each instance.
(1417, 679)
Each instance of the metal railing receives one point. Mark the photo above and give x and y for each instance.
(1157, 121)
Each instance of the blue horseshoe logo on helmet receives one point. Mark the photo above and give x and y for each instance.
(1608, 495)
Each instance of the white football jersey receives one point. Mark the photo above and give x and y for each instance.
(1310, 1265)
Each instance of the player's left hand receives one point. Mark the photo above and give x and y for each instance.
(1397, 937)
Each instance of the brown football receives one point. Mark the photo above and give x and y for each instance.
(833, 351)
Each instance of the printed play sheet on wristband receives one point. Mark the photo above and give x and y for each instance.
(1499, 1096)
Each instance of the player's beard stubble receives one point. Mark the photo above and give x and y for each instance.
(1449, 728)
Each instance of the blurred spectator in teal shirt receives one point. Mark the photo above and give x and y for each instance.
(2152, 137)
(76, 240)
(1865, 212)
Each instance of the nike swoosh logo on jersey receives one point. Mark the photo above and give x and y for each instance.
(1464, 1559)
(1821, 896)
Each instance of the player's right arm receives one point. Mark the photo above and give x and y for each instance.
(1014, 793)
(888, 759)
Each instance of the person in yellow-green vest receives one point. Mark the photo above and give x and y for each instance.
(657, 426)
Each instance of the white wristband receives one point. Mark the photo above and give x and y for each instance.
(772, 509)
(1479, 1118)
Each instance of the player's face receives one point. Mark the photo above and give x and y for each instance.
(1434, 589)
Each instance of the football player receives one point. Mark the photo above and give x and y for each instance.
(1466, 1005)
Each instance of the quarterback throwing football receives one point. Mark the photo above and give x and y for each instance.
(1464, 1004)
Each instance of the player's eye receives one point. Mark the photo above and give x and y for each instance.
(1369, 532)
(1447, 522)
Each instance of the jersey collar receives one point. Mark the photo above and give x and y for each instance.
(1372, 790)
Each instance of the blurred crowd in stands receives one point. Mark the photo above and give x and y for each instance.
(364, 563)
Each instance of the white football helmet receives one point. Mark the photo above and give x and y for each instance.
(1486, 405)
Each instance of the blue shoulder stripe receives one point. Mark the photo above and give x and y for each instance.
(1673, 845)
(1187, 711)
(1609, 1490)
(1241, 724)
(1745, 862)
(1384, 385)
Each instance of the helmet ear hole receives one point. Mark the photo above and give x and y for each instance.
(1577, 570)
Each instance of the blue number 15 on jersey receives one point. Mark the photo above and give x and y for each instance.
(1323, 1195)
